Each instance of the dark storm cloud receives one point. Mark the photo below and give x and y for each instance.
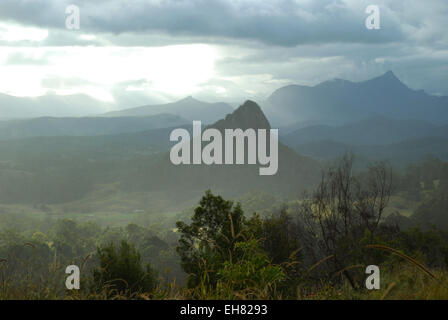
(263, 44)
(283, 23)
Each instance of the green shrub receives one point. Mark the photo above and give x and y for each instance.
(121, 271)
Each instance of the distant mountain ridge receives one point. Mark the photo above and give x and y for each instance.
(401, 153)
(85, 126)
(343, 101)
(374, 138)
(374, 130)
(188, 108)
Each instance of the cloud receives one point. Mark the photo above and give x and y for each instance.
(282, 22)
(256, 46)
(286, 23)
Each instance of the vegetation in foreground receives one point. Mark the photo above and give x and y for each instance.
(317, 249)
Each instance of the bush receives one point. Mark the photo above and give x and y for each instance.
(122, 272)
(250, 269)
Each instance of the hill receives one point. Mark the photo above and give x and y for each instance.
(188, 108)
(374, 130)
(401, 153)
(86, 126)
(373, 138)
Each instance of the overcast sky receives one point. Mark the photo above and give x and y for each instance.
(133, 52)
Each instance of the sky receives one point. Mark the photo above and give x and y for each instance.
(134, 52)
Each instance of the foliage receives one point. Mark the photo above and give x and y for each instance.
(121, 270)
(315, 247)
(341, 210)
(210, 238)
(250, 269)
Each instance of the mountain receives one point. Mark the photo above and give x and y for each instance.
(295, 172)
(374, 130)
(66, 168)
(247, 116)
(188, 108)
(85, 126)
(287, 129)
(373, 138)
(405, 152)
(12, 107)
(341, 101)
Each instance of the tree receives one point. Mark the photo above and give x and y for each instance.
(210, 238)
(121, 270)
(343, 208)
(73, 241)
(280, 237)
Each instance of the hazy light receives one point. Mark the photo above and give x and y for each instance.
(88, 37)
(12, 33)
(174, 70)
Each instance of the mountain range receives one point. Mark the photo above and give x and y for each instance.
(68, 168)
(341, 101)
(85, 126)
(378, 118)
(374, 138)
(399, 154)
(144, 118)
(333, 102)
(374, 130)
